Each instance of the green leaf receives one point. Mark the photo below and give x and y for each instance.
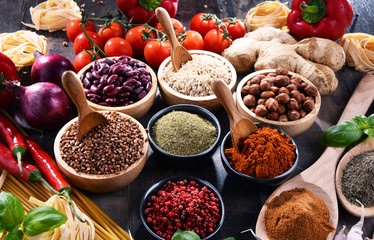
(11, 211)
(14, 235)
(370, 121)
(185, 235)
(369, 132)
(42, 219)
(361, 121)
(150, 4)
(342, 134)
(313, 11)
(229, 238)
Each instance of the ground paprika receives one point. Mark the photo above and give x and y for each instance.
(264, 154)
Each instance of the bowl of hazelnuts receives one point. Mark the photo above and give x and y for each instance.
(281, 98)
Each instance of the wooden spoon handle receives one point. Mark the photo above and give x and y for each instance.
(74, 88)
(165, 21)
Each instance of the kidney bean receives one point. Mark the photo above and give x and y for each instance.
(111, 101)
(93, 95)
(143, 81)
(137, 84)
(88, 76)
(132, 62)
(113, 92)
(121, 101)
(96, 75)
(142, 95)
(108, 88)
(116, 68)
(123, 95)
(140, 65)
(94, 100)
(143, 70)
(104, 79)
(119, 81)
(129, 82)
(104, 68)
(96, 82)
(138, 90)
(112, 78)
(95, 65)
(86, 83)
(101, 86)
(94, 89)
(109, 61)
(130, 73)
(104, 104)
(148, 87)
(128, 103)
(86, 91)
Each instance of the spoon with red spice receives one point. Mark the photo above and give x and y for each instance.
(320, 177)
(240, 126)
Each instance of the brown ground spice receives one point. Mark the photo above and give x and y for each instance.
(297, 214)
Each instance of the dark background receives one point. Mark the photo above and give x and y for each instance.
(242, 201)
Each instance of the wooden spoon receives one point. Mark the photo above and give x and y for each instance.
(240, 126)
(179, 54)
(319, 178)
(87, 118)
(366, 145)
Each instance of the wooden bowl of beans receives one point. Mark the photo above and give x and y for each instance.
(192, 83)
(121, 84)
(280, 98)
(107, 158)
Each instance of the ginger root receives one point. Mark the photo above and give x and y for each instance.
(268, 48)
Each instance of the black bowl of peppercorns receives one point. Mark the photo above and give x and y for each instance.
(182, 202)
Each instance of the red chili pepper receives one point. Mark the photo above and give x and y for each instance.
(319, 18)
(9, 163)
(14, 140)
(8, 69)
(141, 11)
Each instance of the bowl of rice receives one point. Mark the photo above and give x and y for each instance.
(192, 83)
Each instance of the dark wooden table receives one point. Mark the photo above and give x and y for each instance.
(242, 202)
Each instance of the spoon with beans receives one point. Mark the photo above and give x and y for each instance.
(87, 118)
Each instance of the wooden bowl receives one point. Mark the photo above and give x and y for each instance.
(173, 97)
(100, 183)
(293, 128)
(137, 109)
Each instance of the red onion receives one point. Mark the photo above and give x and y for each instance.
(49, 68)
(44, 105)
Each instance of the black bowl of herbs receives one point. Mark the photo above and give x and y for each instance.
(184, 135)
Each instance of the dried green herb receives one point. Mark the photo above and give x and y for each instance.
(358, 181)
(183, 133)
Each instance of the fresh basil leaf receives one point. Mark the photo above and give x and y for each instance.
(371, 121)
(369, 132)
(361, 121)
(42, 219)
(342, 134)
(14, 235)
(11, 211)
(185, 235)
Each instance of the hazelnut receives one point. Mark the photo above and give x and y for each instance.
(245, 90)
(265, 85)
(281, 109)
(282, 98)
(291, 87)
(267, 94)
(297, 95)
(274, 89)
(311, 90)
(308, 105)
(254, 89)
(272, 105)
(293, 115)
(254, 80)
(309, 98)
(261, 101)
(249, 100)
(272, 116)
(297, 78)
(294, 81)
(271, 75)
(302, 97)
(283, 118)
(281, 81)
(281, 71)
(302, 113)
(292, 104)
(284, 90)
(261, 110)
(302, 86)
(253, 109)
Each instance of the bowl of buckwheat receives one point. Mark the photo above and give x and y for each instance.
(107, 158)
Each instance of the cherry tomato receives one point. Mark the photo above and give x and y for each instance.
(81, 42)
(235, 27)
(73, 29)
(117, 46)
(82, 59)
(138, 37)
(177, 25)
(193, 41)
(113, 30)
(203, 23)
(215, 41)
(155, 52)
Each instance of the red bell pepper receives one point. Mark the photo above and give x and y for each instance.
(9, 71)
(319, 18)
(140, 11)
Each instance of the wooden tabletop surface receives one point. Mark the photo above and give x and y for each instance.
(242, 202)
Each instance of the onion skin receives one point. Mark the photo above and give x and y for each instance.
(49, 68)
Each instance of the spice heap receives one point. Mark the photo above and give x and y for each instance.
(183, 133)
(358, 181)
(183, 205)
(105, 149)
(264, 154)
(297, 214)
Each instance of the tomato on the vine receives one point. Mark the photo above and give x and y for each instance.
(235, 27)
(177, 25)
(216, 41)
(155, 52)
(114, 29)
(81, 42)
(82, 59)
(117, 46)
(203, 23)
(138, 37)
(73, 29)
(193, 41)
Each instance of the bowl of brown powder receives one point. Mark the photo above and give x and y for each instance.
(107, 158)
